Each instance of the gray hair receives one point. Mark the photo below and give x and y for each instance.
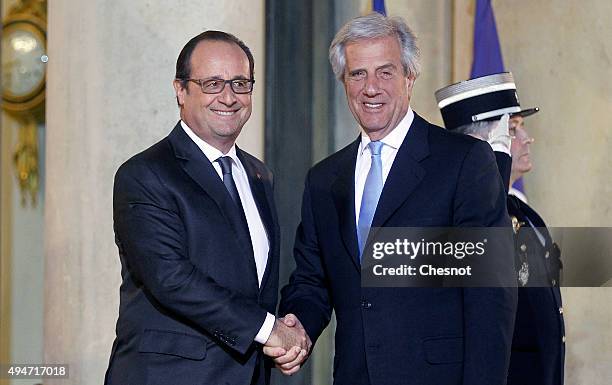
(372, 26)
(480, 130)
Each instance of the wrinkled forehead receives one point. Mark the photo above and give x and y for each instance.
(373, 52)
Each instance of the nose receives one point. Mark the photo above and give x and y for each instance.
(227, 96)
(371, 87)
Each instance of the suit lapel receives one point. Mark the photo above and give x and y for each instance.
(263, 200)
(343, 193)
(199, 168)
(405, 174)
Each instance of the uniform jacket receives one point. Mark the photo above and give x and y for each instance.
(538, 344)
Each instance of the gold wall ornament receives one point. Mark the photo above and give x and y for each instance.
(25, 160)
(24, 45)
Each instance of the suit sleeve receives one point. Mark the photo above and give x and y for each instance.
(489, 312)
(307, 294)
(151, 238)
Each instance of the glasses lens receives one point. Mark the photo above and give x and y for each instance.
(213, 86)
(242, 86)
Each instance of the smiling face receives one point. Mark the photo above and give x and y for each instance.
(377, 89)
(521, 162)
(215, 118)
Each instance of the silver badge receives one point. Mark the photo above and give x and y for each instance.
(523, 274)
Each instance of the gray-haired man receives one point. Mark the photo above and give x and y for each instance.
(400, 172)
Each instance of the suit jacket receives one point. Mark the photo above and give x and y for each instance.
(190, 303)
(408, 336)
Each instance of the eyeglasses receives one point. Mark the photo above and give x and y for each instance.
(216, 86)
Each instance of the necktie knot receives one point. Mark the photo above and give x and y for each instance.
(375, 147)
(226, 164)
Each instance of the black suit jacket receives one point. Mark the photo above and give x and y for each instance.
(190, 303)
(408, 336)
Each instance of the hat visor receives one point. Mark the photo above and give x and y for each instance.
(527, 112)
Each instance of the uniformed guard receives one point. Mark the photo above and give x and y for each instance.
(488, 108)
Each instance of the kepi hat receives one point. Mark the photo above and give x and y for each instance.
(480, 99)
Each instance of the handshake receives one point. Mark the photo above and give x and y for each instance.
(288, 344)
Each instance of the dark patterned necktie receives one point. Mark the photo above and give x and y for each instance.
(230, 185)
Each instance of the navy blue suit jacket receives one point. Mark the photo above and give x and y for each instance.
(190, 303)
(408, 336)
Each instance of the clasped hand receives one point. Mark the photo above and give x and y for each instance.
(288, 344)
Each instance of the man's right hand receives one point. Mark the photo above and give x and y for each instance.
(288, 344)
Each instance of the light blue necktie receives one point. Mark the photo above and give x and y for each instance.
(371, 192)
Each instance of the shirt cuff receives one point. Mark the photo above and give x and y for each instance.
(266, 329)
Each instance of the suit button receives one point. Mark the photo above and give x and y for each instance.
(547, 254)
(563, 339)
(560, 310)
(523, 247)
(554, 282)
(366, 304)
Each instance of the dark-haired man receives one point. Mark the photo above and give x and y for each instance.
(198, 237)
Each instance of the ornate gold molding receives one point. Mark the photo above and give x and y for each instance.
(28, 110)
(37, 8)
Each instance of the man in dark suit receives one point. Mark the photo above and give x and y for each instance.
(401, 172)
(538, 344)
(198, 238)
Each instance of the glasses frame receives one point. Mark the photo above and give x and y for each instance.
(201, 82)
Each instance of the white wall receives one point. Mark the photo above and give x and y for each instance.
(110, 95)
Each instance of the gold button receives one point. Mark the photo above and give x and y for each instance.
(560, 310)
(547, 255)
(523, 247)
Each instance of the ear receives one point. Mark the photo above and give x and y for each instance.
(180, 92)
(410, 82)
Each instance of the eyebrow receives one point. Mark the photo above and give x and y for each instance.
(220, 77)
(387, 66)
(382, 67)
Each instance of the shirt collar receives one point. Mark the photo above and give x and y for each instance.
(396, 137)
(211, 152)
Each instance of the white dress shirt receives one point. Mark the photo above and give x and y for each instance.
(391, 143)
(259, 238)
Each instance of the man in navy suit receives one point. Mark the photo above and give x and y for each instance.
(400, 172)
(198, 238)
